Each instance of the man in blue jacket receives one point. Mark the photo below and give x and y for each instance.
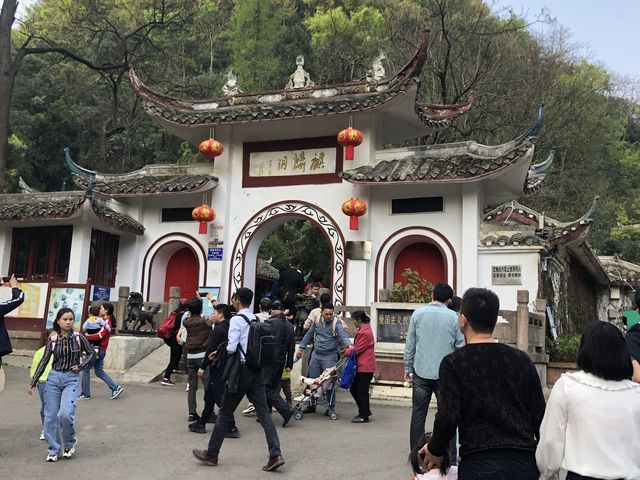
(17, 297)
(329, 337)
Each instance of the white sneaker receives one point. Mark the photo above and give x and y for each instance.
(299, 398)
(68, 452)
(250, 410)
(52, 458)
(42, 435)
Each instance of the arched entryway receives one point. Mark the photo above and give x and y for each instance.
(176, 260)
(422, 257)
(245, 250)
(182, 271)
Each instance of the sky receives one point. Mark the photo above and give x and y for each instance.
(607, 30)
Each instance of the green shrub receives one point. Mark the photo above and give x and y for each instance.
(564, 349)
(415, 290)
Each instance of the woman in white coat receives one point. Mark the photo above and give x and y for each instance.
(591, 426)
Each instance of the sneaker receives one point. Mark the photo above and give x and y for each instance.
(42, 435)
(250, 410)
(233, 433)
(84, 397)
(299, 398)
(68, 452)
(288, 417)
(52, 458)
(167, 382)
(116, 393)
(197, 427)
(193, 417)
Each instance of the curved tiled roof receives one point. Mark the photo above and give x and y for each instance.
(438, 164)
(620, 271)
(37, 205)
(123, 185)
(117, 220)
(297, 102)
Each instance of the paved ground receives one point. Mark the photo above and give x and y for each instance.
(143, 435)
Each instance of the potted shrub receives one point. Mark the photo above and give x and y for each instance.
(563, 355)
(414, 290)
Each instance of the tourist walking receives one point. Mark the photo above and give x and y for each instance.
(364, 345)
(198, 329)
(590, 427)
(285, 347)
(329, 337)
(61, 389)
(633, 343)
(290, 283)
(491, 393)
(102, 337)
(433, 333)
(172, 342)
(17, 297)
(242, 380)
(43, 378)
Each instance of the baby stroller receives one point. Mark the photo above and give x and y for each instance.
(314, 388)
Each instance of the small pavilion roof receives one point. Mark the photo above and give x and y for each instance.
(36, 205)
(300, 102)
(621, 272)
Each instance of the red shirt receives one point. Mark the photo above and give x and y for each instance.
(364, 345)
(103, 335)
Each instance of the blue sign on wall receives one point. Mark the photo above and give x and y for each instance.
(101, 293)
(215, 254)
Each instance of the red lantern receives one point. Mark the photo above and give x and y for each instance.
(349, 138)
(203, 214)
(211, 148)
(354, 208)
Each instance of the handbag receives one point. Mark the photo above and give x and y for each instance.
(349, 371)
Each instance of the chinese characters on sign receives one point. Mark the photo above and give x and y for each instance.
(393, 325)
(506, 275)
(293, 162)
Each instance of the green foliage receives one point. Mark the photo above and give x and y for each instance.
(298, 239)
(564, 349)
(413, 289)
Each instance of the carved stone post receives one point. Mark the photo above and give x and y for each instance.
(522, 321)
(121, 307)
(174, 299)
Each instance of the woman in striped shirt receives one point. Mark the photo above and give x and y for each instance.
(61, 390)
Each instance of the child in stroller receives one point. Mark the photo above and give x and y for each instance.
(315, 388)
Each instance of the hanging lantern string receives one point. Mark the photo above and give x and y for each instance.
(350, 121)
(211, 132)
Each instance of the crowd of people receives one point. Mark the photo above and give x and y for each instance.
(492, 419)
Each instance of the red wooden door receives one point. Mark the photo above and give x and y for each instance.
(425, 258)
(182, 271)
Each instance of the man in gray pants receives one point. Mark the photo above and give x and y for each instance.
(329, 337)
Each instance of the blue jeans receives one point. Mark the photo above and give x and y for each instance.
(41, 389)
(60, 396)
(98, 366)
(317, 364)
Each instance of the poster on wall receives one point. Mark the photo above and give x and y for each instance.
(35, 299)
(67, 296)
(207, 306)
(101, 294)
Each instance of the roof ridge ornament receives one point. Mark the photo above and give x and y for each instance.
(231, 87)
(534, 129)
(300, 78)
(377, 71)
(25, 187)
(89, 175)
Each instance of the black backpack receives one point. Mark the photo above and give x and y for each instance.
(261, 345)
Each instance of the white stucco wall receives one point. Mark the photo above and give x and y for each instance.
(527, 257)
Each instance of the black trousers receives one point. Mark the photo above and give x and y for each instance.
(251, 384)
(499, 464)
(213, 396)
(272, 383)
(174, 359)
(575, 476)
(360, 393)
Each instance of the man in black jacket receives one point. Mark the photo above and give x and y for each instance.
(290, 283)
(633, 343)
(215, 388)
(285, 346)
(17, 297)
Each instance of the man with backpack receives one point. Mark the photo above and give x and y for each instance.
(329, 336)
(247, 348)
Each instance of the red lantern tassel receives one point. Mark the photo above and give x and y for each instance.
(353, 223)
(348, 152)
(203, 228)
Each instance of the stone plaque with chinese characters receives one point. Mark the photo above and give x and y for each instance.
(393, 325)
(312, 161)
(506, 275)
